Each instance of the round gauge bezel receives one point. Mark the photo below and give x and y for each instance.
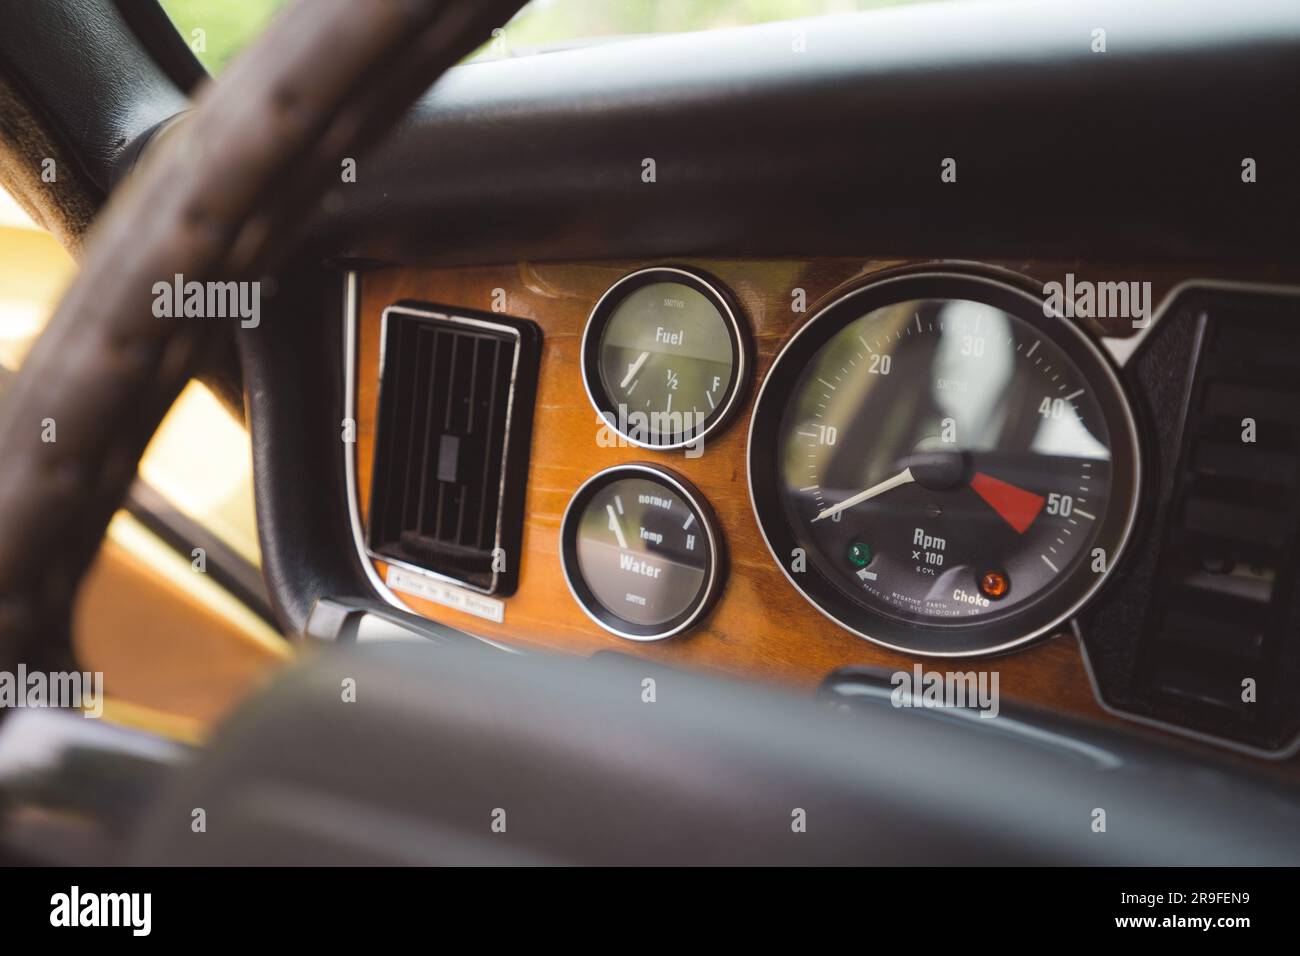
(1045, 612)
(737, 333)
(591, 605)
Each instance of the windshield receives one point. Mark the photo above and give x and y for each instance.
(218, 29)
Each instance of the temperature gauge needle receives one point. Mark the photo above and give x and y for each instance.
(902, 478)
(1016, 506)
(615, 527)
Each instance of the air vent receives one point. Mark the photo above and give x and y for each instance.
(451, 453)
(1219, 610)
(1205, 633)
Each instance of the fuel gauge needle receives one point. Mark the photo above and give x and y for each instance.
(902, 478)
(615, 527)
(632, 369)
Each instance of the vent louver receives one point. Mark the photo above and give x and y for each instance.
(1218, 645)
(451, 449)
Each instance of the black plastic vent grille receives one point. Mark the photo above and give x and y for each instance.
(455, 416)
(1222, 598)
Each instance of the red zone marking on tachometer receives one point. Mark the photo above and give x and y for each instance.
(1016, 506)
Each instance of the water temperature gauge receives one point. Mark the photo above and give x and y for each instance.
(663, 357)
(641, 552)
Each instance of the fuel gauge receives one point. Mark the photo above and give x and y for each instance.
(663, 357)
(641, 552)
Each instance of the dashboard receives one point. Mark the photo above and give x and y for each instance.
(780, 469)
(639, 354)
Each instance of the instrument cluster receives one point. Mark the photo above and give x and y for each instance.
(938, 462)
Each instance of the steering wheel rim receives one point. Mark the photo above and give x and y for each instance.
(215, 199)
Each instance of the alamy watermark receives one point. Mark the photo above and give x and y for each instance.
(648, 428)
(79, 690)
(133, 911)
(209, 300)
(934, 689)
(1098, 300)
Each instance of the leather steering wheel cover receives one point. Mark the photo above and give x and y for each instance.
(213, 201)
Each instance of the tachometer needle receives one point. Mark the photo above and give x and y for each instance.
(1016, 506)
(633, 368)
(615, 527)
(902, 478)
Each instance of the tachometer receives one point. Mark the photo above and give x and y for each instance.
(941, 467)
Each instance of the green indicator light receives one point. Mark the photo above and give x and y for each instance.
(859, 554)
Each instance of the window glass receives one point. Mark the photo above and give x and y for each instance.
(218, 29)
(200, 460)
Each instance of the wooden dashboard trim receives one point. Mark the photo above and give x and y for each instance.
(761, 629)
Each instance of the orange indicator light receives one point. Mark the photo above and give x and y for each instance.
(995, 584)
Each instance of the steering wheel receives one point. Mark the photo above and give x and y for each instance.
(216, 200)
